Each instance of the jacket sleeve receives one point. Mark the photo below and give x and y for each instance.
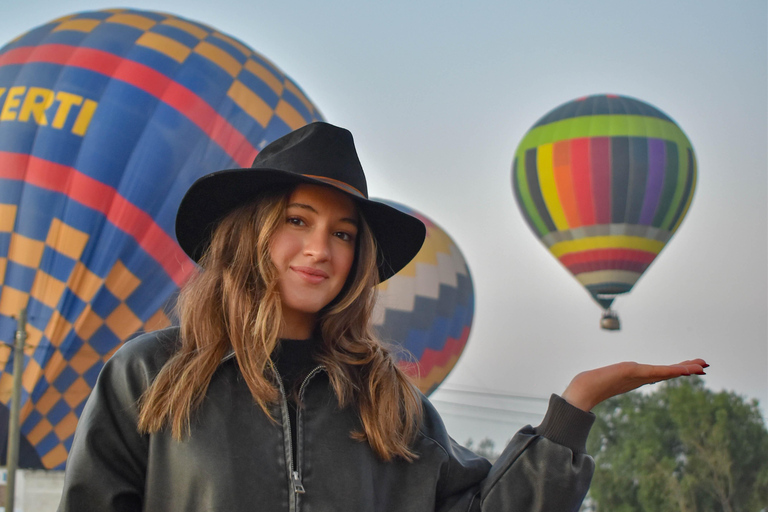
(542, 469)
(106, 465)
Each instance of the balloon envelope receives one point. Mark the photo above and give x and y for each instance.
(604, 182)
(426, 309)
(106, 118)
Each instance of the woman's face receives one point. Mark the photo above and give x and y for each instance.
(313, 251)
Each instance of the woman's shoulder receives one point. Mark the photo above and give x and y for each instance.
(431, 425)
(433, 437)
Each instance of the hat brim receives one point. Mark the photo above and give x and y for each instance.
(399, 236)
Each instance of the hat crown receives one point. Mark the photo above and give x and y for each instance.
(317, 150)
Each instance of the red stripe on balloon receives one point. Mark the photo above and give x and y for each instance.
(582, 180)
(600, 164)
(173, 94)
(604, 254)
(105, 199)
(594, 266)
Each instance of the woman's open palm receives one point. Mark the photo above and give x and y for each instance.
(589, 388)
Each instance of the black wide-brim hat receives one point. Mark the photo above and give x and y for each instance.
(316, 154)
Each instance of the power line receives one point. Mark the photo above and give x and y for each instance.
(485, 408)
(475, 417)
(496, 394)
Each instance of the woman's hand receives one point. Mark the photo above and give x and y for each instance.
(589, 388)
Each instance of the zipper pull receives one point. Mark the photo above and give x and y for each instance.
(298, 488)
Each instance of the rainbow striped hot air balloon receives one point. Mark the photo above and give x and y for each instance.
(427, 307)
(604, 182)
(106, 118)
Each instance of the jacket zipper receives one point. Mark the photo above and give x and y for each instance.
(295, 474)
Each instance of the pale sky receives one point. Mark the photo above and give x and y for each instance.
(439, 93)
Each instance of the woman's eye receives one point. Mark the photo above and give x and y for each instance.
(347, 237)
(296, 221)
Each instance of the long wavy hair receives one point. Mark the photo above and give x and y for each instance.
(233, 303)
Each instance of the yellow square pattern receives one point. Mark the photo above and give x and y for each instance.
(31, 375)
(186, 27)
(87, 323)
(66, 239)
(120, 281)
(158, 321)
(25, 251)
(265, 75)
(7, 217)
(219, 57)
(250, 102)
(84, 359)
(76, 393)
(40, 431)
(290, 115)
(54, 366)
(123, 322)
(6, 379)
(66, 427)
(57, 329)
(12, 301)
(54, 457)
(84, 283)
(47, 289)
(132, 20)
(79, 25)
(165, 45)
(48, 400)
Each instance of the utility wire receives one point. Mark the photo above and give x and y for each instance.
(491, 393)
(475, 417)
(485, 408)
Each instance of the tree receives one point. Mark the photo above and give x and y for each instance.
(486, 448)
(681, 448)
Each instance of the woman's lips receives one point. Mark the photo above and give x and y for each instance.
(313, 275)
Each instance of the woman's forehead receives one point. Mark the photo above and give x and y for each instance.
(323, 199)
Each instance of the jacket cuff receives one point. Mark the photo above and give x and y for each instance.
(566, 424)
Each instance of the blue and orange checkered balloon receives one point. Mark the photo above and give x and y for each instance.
(106, 118)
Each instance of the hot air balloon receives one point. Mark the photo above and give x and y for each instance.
(604, 182)
(425, 311)
(106, 118)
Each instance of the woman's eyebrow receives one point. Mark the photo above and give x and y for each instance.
(309, 207)
(301, 205)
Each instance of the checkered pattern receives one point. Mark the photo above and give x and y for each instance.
(64, 354)
(258, 87)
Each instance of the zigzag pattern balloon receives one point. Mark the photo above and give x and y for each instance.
(106, 118)
(426, 309)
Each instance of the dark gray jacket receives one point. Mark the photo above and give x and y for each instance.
(236, 459)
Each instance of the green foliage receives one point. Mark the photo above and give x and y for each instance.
(486, 448)
(682, 448)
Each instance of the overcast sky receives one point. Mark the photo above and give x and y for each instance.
(439, 93)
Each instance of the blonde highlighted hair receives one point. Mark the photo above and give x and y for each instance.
(233, 303)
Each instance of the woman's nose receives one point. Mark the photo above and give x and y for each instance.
(316, 245)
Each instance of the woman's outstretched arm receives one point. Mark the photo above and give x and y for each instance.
(547, 467)
(589, 388)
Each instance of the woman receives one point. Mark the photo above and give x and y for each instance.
(274, 393)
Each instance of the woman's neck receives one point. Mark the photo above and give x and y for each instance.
(297, 325)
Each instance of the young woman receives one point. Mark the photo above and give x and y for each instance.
(274, 393)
